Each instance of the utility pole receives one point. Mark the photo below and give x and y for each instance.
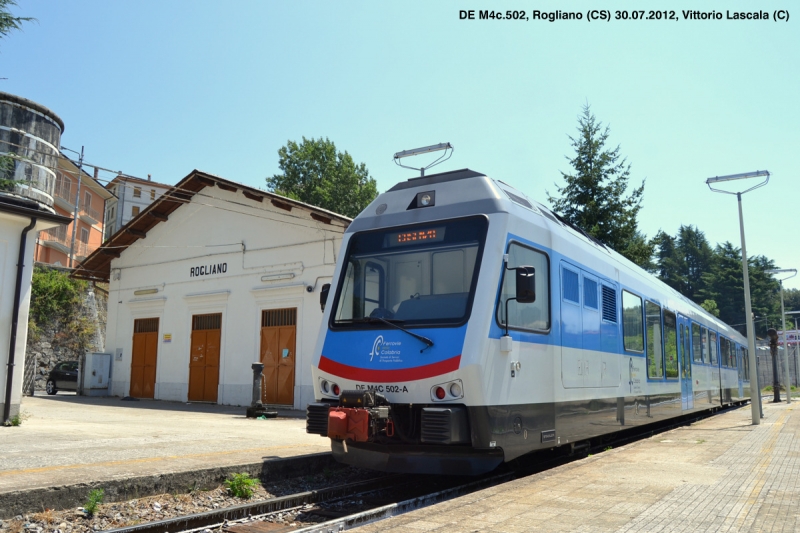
(75, 214)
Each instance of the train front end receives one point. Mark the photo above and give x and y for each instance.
(395, 376)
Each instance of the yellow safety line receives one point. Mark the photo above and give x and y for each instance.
(142, 460)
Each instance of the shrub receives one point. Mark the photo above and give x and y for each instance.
(241, 485)
(94, 501)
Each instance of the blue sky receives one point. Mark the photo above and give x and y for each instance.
(162, 88)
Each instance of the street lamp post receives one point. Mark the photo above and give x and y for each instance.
(751, 337)
(796, 344)
(787, 378)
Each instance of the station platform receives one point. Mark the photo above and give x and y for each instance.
(67, 441)
(719, 474)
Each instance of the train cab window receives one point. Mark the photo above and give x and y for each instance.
(697, 344)
(632, 326)
(655, 354)
(423, 275)
(670, 344)
(531, 316)
(712, 347)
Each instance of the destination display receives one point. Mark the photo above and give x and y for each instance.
(404, 238)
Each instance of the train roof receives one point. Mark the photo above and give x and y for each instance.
(465, 191)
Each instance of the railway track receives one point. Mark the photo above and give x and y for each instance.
(346, 506)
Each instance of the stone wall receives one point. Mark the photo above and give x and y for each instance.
(47, 348)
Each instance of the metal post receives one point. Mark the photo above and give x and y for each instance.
(786, 376)
(75, 214)
(751, 332)
(257, 409)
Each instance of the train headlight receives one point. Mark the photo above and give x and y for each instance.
(324, 386)
(445, 392)
(336, 389)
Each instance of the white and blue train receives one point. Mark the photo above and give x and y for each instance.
(467, 325)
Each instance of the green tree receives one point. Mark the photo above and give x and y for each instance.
(314, 172)
(710, 306)
(593, 197)
(8, 22)
(696, 253)
(669, 263)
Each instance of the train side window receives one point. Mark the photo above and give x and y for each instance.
(526, 316)
(724, 351)
(655, 355)
(570, 286)
(705, 355)
(733, 357)
(632, 326)
(670, 344)
(712, 347)
(745, 366)
(589, 293)
(697, 344)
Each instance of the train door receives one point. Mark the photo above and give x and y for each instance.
(572, 363)
(685, 362)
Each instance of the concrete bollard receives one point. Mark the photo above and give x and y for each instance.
(256, 408)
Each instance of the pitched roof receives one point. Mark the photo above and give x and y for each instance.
(97, 266)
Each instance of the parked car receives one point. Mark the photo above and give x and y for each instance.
(63, 377)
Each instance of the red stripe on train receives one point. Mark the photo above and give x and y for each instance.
(389, 376)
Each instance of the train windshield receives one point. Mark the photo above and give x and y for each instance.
(414, 275)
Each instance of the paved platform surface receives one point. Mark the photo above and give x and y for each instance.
(720, 474)
(67, 439)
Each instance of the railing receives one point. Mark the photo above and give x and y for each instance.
(63, 190)
(94, 214)
(58, 235)
(62, 236)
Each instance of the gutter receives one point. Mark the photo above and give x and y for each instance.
(15, 320)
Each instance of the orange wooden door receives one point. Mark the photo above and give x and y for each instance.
(204, 358)
(144, 357)
(278, 341)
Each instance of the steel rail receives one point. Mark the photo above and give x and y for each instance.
(219, 516)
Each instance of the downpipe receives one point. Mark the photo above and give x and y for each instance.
(15, 320)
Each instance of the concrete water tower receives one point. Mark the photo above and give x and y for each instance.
(30, 139)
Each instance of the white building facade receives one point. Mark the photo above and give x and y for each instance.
(130, 197)
(209, 279)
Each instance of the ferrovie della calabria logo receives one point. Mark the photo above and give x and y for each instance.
(384, 350)
(376, 347)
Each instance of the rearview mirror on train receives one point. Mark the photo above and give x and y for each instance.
(526, 284)
(323, 295)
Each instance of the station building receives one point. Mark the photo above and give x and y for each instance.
(208, 279)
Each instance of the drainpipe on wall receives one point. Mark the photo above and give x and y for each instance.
(14, 321)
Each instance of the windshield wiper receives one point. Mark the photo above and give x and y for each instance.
(426, 340)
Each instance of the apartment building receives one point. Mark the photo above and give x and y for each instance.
(53, 245)
(129, 197)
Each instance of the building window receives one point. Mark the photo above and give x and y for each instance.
(134, 210)
(137, 192)
(84, 236)
(152, 194)
(87, 200)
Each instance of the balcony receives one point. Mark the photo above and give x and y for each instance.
(60, 239)
(63, 195)
(56, 238)
(89, 215)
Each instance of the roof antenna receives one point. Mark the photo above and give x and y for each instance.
(424, 150)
